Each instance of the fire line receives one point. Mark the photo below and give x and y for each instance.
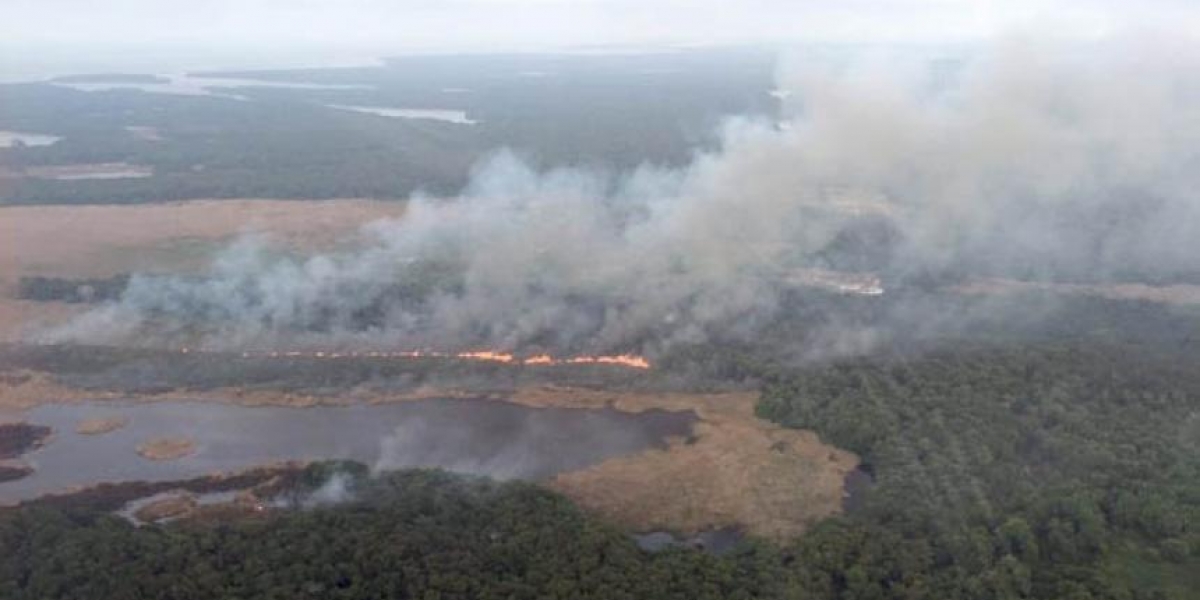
(632, 361)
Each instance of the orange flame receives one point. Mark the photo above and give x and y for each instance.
(623, 360)
(499, 357)
(541, 359)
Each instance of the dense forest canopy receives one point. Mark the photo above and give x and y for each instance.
(586, 111)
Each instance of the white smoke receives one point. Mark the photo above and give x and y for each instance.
(336, 490)
(1027, 160)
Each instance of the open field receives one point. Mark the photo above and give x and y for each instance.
(736, 470)
(103, 241)
(100, 241)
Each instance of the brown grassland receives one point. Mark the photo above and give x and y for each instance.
(104, 240)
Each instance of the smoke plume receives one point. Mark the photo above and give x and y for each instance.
(1023, 161)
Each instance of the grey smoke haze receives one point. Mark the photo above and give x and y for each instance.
(336, 490)
(43, 37)
(1033, 161)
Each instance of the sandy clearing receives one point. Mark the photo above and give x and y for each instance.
(175, 506)
(166, 448)
(103, 240)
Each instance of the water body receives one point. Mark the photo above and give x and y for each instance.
(190, 85)
(856, 486)
(491, 438)
(9, 139)
(89, 171)
(130, 173)
(716, 541)
(436, 114)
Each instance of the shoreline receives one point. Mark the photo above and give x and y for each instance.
(733, 469)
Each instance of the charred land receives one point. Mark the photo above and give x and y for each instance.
(18, 438)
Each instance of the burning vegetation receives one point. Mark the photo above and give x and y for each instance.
(622, 360)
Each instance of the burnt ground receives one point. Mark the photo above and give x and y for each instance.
(13, 471)
(109, 497)
(18, 438)
(147, 371)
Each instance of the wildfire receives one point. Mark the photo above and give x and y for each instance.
(625, 360)
(499, 357)
(632, 361)
(541, 359)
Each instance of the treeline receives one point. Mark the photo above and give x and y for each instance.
(414, 534)
(288, 143)
(59, 289)
(1043, 471)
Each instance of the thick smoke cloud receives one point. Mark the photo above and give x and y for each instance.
(1026, 161)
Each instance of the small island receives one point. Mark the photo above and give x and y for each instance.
(166, 448)
(171, 507)
(100, 425)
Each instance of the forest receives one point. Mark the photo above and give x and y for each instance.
(59, 289)
(603, 113)
(1056, 463)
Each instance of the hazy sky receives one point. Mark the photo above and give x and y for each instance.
(52, 31)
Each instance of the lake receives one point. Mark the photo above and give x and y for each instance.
(485, 437)
(436, 114)
(194, 85)
(9, 139)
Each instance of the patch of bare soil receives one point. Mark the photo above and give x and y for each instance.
(166, 448)
(100, 426)
(171, 507)
(735, 470)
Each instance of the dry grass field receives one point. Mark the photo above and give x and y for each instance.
(106, 240)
